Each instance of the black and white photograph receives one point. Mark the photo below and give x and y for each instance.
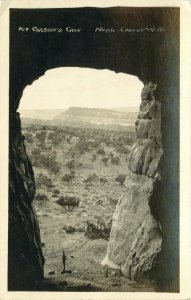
(94, 149)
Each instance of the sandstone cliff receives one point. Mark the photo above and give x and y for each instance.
(135, 238)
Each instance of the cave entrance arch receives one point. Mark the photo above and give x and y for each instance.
(153, 57)
(73, 138)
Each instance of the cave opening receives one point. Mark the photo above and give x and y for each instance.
(78, 126)
(150, 56)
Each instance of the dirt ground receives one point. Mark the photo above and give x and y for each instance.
(87, 273)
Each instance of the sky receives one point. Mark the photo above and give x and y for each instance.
(61, 88)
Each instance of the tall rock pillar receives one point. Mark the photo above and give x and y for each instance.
(135, 238)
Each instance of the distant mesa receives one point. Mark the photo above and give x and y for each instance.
(40, 114)
(114, 113)
(81, 116)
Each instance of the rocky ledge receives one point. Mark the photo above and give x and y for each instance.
(135, 238)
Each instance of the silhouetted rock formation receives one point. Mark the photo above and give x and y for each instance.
(94, 113)
(26, 260)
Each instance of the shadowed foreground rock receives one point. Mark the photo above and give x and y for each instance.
(25, 254)
(135, 239)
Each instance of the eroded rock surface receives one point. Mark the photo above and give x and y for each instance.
(25, 265)
(135, 238)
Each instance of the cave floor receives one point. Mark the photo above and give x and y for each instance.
(85, 272)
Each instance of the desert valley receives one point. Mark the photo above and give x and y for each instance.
(80, 160)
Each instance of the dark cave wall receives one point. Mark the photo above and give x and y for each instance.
(150, 56)
(25, 255)
(140, 54)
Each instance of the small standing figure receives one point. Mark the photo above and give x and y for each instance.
(64, 258)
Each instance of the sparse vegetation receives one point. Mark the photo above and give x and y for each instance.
(103, 179)
(41, 197)
(122, 149)
(55, 192)
(115, 160)
(105, 160)
(43, 180)
(71, 164)
(68, 177)
(121, 178)
(94, 156)
(101, 151)
(98, 229)
(40, 136)
(29, 137)
(47, 161)
(69, 229)
(68, 202)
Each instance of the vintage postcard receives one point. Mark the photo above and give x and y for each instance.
(95, 157)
